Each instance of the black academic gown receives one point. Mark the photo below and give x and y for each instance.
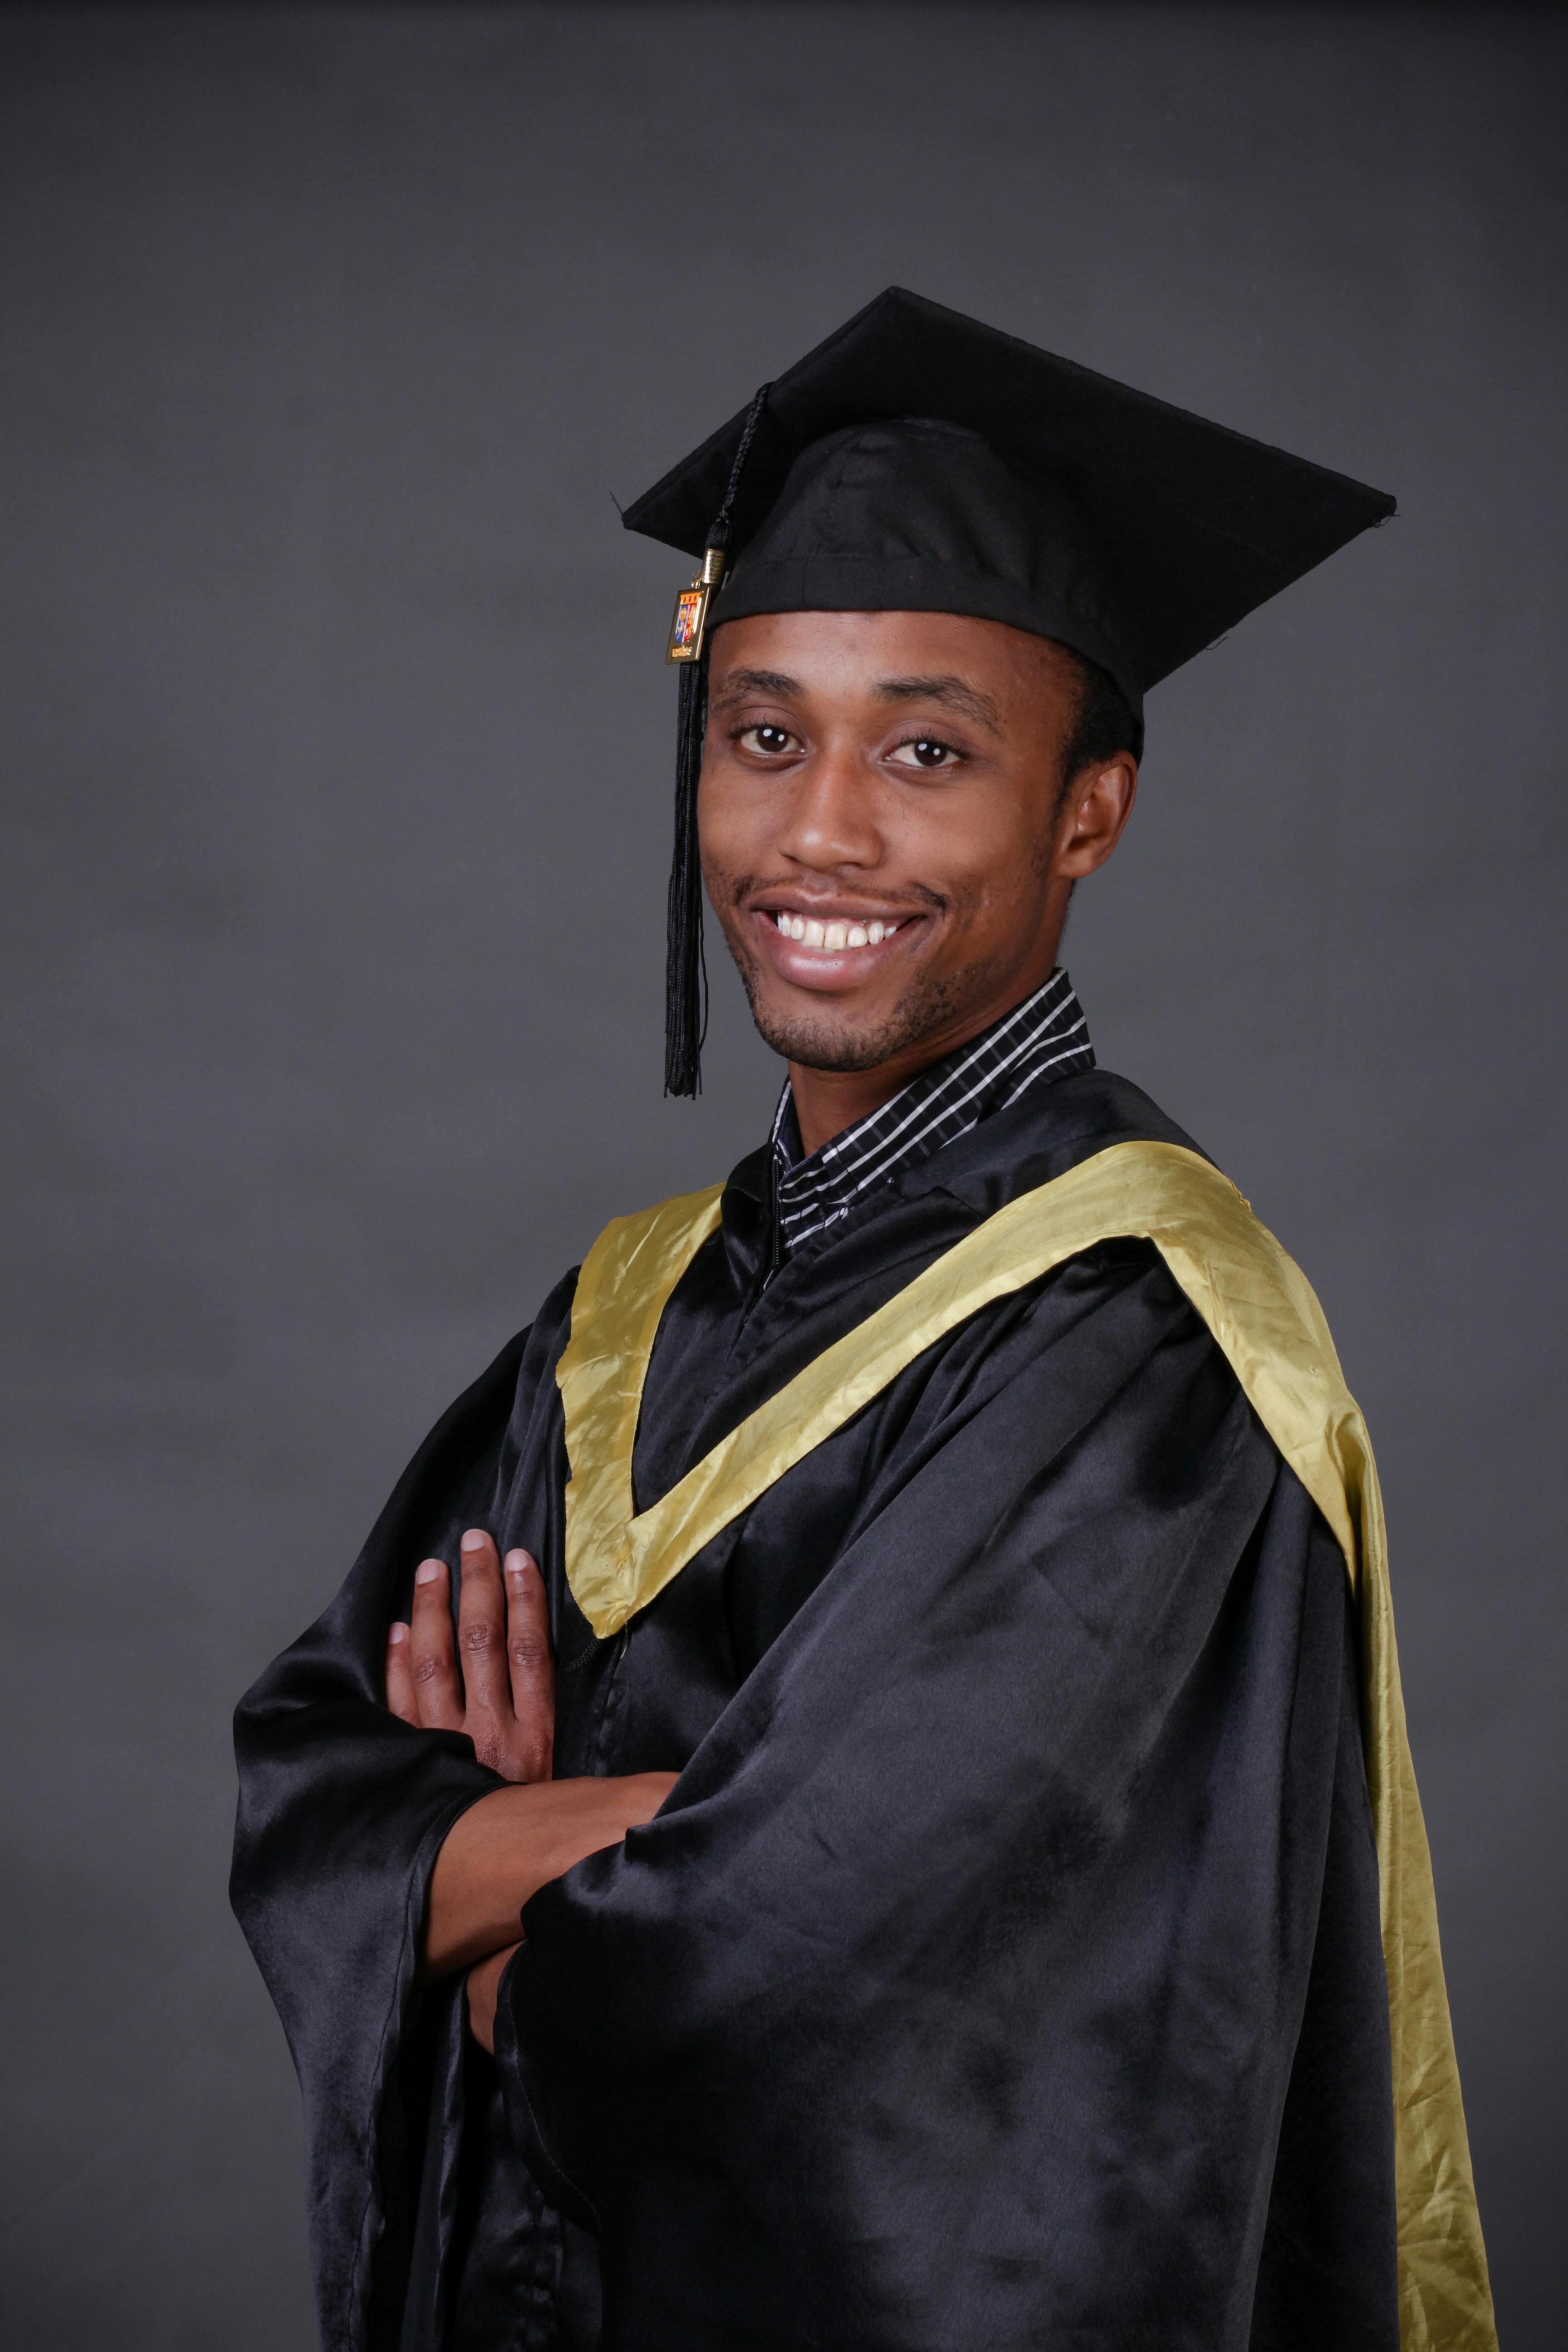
(1005, 1970)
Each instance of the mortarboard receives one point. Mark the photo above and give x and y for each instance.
(920, 461)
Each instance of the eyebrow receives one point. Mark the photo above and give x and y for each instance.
(741, 682)
(953, 693)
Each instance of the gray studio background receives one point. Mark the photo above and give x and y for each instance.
(336, 761)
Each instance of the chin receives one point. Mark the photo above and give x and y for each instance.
(817, 1038)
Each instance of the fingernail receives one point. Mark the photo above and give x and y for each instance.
(516, 1563)
(428, 1570)
(475, 1541)
(397, 1633)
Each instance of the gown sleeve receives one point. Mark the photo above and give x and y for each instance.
(343, 1810)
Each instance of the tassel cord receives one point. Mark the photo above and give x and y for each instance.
(686, 963)
(686, 974)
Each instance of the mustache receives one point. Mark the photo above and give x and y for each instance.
(739, 889)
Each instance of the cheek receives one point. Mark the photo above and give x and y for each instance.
(980, 859)
(1008, 851)
(720, 824)
(741, 820)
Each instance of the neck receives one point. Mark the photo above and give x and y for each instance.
(827, 1101)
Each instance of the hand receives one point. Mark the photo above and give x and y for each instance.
(484, 1983)
(503, 1694)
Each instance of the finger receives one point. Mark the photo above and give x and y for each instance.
(483, 1986)
(400, 1696)
(437, 1692)
(481, 2005)
(481, 1643)
(530, 1666)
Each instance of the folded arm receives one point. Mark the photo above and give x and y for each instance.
(501, 1694)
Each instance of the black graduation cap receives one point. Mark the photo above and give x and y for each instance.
(918, 460)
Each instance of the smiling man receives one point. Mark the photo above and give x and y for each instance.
(898, 1835)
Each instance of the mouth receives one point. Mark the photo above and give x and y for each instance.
(814, 947)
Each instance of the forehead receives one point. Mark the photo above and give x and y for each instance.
(881, 656)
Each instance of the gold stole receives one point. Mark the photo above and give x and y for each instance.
(1265, 1318)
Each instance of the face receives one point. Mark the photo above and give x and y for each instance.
(886, 838)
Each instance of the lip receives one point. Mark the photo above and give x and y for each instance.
(844, 968)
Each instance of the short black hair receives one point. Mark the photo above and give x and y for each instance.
(1103, 723)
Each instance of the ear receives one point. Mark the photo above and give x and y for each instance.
(1095, 808)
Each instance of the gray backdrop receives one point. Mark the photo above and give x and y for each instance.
(337, 752)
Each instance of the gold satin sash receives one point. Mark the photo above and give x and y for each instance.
(1265, 1318)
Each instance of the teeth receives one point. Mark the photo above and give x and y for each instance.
(833, 938)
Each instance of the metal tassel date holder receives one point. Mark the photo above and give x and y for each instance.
(689, 626)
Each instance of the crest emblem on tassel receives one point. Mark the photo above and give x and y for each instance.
(689, 626)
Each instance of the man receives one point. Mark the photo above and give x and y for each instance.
(898, 1833)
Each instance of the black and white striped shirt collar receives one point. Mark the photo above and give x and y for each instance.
(1045, 1038)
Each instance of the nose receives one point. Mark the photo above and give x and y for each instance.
(831, 820)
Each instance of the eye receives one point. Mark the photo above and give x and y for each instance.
(926, 751)
(768, 739)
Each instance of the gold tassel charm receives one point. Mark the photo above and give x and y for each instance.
(690, 625)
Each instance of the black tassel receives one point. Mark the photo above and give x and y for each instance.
(686, 969)
(685, 965)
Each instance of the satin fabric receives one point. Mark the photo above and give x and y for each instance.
(1267, 1321)
(1005, 1966)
